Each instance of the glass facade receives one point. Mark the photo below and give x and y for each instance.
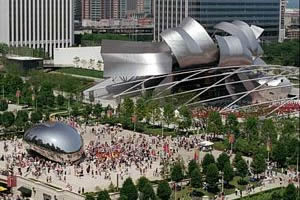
(208, 13)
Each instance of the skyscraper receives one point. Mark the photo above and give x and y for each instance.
(85, 9)
(266, 14)
(77, 10)
(44, 24)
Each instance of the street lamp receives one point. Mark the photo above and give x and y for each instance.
(222, 182)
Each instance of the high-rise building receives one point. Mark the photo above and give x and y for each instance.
(266, 14)
(140, 6)
(42, 24)
(148, 7)
(123, 8)
(85, 9)
(95, 10)
(77, 10)
(281, 36)
(168, 14)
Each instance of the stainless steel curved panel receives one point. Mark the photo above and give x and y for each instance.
(190, 44)
(130, 58)
(136, 64)
(258, 31)
(245, 28)
(258, 61)
(55, 141)
(198, 34)
(56, 136)
(232, 52)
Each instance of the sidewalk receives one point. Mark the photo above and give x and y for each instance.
(267, 186)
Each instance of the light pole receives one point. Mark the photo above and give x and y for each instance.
(297, 168)
(222, 174)
(3, 92)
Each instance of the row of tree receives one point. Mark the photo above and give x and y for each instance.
(20, 120)
(142, 191)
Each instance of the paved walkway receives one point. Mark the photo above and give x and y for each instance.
(266, 186)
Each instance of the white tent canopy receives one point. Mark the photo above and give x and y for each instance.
(206, 143)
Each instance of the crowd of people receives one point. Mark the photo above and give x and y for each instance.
(109, 152)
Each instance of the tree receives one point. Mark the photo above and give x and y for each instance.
(214, 124)
(243, 146)
(289, 128)
(147, 192)
(3, 48)
(8, 119)
(212, 176)
(285, 53)
(127, 108)
(196, 178)
(251, 129)
(140, 109)
(89, 197)
(163, 190)
(242, 168)
(258, 164)
(228, 172)
(103, 195)
(98, 109)
(141, 183)
(22, 118)
(87, 111)
(237, 158)
(177, 172)
(168, 113)
(192, 166)
(129, 190)
(60, 100)
(45, 96)
(123, 197)
(36, 117)
(3, 105)
(75, 111)
(276, 196)
(290, 193)
(232, 125)
(12, 83)
(186, 115)
(207, 160)
(222, 160)
(145, 188)
(268, 130)
(279, 153)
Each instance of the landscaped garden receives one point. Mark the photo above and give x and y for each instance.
(81, 72)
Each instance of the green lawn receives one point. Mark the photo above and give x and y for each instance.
(219, 146)
(267, 195)
(61, 82)
(81, 72)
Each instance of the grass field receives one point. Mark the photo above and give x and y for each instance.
(81, 72)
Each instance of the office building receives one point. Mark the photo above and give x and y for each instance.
(281, 35)
(292, 24)
(77, 10)
(85, 9)
(266, 14)
(46, 24)
(123, 8)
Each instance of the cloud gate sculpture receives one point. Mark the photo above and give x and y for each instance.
(56, 141)
(190, 59)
